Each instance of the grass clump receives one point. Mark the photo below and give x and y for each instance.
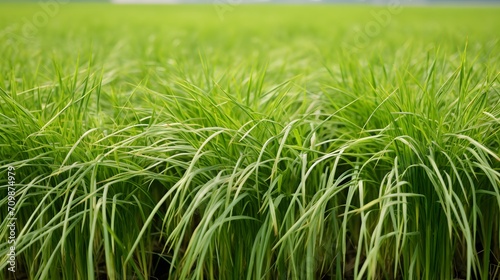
(228, 150)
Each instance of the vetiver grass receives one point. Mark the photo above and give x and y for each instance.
(161, 142)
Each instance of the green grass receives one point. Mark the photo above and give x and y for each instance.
(276, 143)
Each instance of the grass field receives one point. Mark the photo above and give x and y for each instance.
(249, 142)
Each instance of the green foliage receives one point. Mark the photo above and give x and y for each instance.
(165, 142)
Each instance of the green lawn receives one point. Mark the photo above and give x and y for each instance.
(249, 142)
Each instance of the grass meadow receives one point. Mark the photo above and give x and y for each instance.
(252, 142)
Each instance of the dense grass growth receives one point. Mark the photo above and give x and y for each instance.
(155, 142)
